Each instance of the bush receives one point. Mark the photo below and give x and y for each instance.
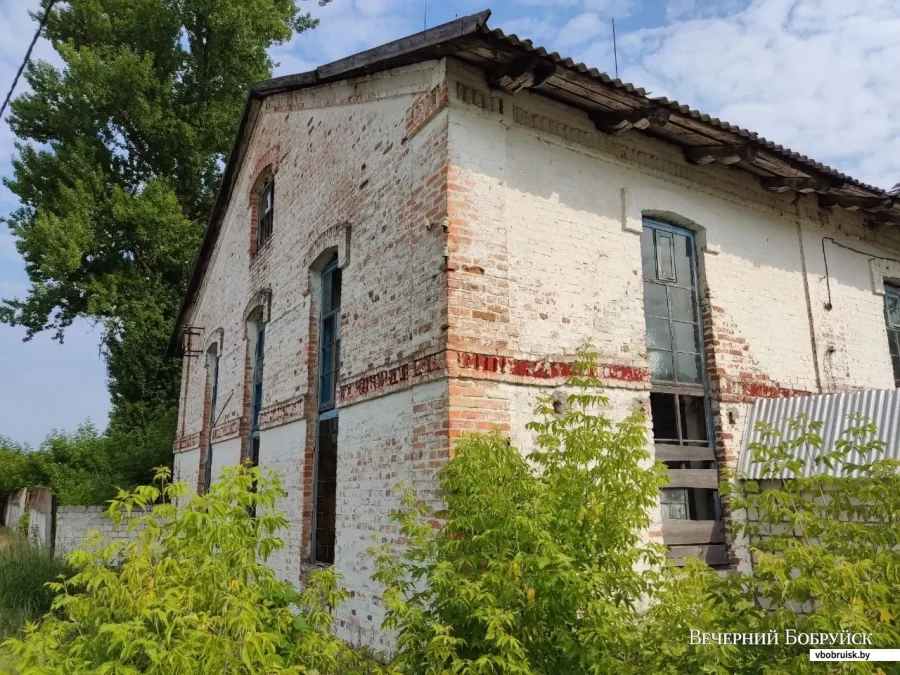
(25, 569)
(192, 594)
(86, 466)
(539, 567)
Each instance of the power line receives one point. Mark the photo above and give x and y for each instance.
(27, 56)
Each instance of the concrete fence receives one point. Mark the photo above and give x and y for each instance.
(63, 528)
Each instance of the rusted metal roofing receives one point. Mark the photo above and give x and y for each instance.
(704, 139)
(880, 406)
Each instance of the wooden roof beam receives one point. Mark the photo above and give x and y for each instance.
(871, 204)
(617, 121)
(524, 73)
(726, 154)
(802, 184)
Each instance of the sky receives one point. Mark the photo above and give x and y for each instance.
(819, 76)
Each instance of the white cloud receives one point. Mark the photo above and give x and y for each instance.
(530, 28)
(817, 76)
(584, 28)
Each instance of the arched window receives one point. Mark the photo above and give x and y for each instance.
(325, 512)
(265, 213)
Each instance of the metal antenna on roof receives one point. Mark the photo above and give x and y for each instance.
(615, 50)
(425, 14)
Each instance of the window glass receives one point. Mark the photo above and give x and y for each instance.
(892, 317)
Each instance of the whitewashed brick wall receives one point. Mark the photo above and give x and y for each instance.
(74, 523)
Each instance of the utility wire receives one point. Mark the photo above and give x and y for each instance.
(27, 56)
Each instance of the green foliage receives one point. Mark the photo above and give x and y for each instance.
(25, 569)
(191, 595)
(16, 471)
(87, 467)
(539, 566)
(118, 162)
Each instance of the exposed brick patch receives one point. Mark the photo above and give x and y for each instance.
(525, 370)
(425, 108)
(226, 431)
(281, 413)
(186, 443)
(390, 379)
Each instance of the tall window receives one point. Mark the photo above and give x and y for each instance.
(213, 370)
(325, 512)
(266, 214)
(892, 317)
(678, 400)
(256, 392)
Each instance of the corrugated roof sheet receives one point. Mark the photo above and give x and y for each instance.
(880, 406)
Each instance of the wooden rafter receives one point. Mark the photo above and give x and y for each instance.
(849, 203)
(614, 122)
(524, 73)
(726, 154)
(803, 184)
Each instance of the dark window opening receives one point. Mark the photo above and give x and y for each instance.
(266, 214)
(256, 392)
(892, 318)
(213, 395)
(326, 490)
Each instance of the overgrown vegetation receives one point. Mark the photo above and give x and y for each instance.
(85, 466)
(192, 594)
(25, 569)
(536, 566)
(539, 568)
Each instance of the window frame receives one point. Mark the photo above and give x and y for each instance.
(327, 407)
(212, 355)
(690, 496)
(265, 222)
(893, 331)
(256, 383)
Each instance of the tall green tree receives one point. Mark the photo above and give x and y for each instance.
(118, 160)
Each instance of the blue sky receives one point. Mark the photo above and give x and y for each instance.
(820, 76)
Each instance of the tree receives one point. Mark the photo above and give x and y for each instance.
(191, 593)
(119, 157)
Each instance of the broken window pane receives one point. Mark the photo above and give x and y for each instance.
(663, 413)
(693, 418)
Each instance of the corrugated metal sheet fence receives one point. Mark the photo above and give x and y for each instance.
(880, 406)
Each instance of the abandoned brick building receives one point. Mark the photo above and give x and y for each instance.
(410, 243)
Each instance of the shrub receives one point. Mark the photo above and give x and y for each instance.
(191, 594)
(539, 566)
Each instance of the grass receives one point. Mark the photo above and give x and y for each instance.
(25, 569)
